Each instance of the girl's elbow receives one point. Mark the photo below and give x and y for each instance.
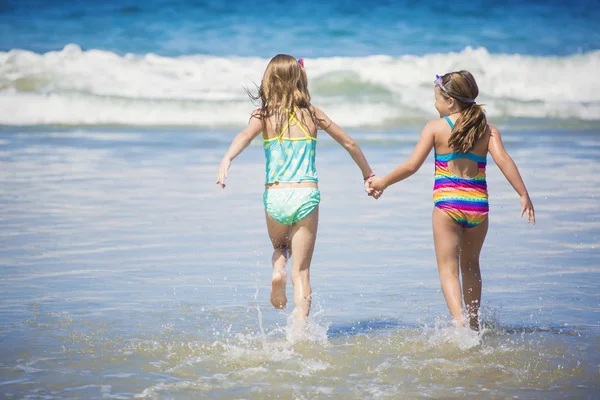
(350, 144)
(503, 161)
(412, 168)
(244, 138)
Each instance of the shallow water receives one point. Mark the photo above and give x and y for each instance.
(128, 274)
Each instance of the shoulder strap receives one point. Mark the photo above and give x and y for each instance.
(292, 117)
(447, 118)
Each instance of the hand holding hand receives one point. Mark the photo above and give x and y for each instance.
(222, 173)
(377, 183)
(371, 190)
(368, 188)
(527, 208)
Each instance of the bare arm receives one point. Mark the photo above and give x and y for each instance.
(412, 164)
(505, 162)
(345, 141)
(510, 171)
(239, 143)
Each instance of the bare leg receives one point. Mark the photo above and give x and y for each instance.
(304, 234)
(446, 237)
(472, 242)
(280, 238)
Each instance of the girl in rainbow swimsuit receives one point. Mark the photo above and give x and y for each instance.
(461, 138)
(289, 125)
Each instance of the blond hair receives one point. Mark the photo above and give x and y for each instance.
(283, 89)
(471, 125)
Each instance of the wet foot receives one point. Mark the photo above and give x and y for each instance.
(278, 281)
(459, 322)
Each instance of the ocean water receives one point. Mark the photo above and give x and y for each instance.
(309, 28)
(186, 63)
(127, 273)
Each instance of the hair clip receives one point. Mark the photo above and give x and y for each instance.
(301, 62)
(438, 82)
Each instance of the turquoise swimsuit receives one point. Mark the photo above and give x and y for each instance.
(291, 160)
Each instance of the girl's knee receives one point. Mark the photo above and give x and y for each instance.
(448, 266)
(448, 273)
(472, 261)
(300, 274)
(281, 246)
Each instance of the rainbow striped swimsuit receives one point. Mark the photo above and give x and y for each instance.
(464, 199)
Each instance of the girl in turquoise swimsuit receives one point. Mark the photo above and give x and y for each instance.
(289, 125)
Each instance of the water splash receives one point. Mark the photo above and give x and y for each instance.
(444, 332)
(260, 321)
(311, 329)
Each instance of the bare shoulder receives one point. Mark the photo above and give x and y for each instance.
(257, 113)
(318, 112)
(256, 117)
(435, 125)
(324, 121)
(494, 132)
(255, 122)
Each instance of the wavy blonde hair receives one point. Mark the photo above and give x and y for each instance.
(284, 88)
(471, 125)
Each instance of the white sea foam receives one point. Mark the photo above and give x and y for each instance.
(76, 87)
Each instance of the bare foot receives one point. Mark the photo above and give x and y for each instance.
(459, 322)
(278, 281)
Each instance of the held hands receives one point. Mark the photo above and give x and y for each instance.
(527, 208)
(375, 186)
(371, 191)
(377, 183)
(222, 173)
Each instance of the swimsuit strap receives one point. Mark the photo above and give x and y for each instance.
(448, 157)
(292, 117)
(453, 156)
(287, 124)
(447, 118)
